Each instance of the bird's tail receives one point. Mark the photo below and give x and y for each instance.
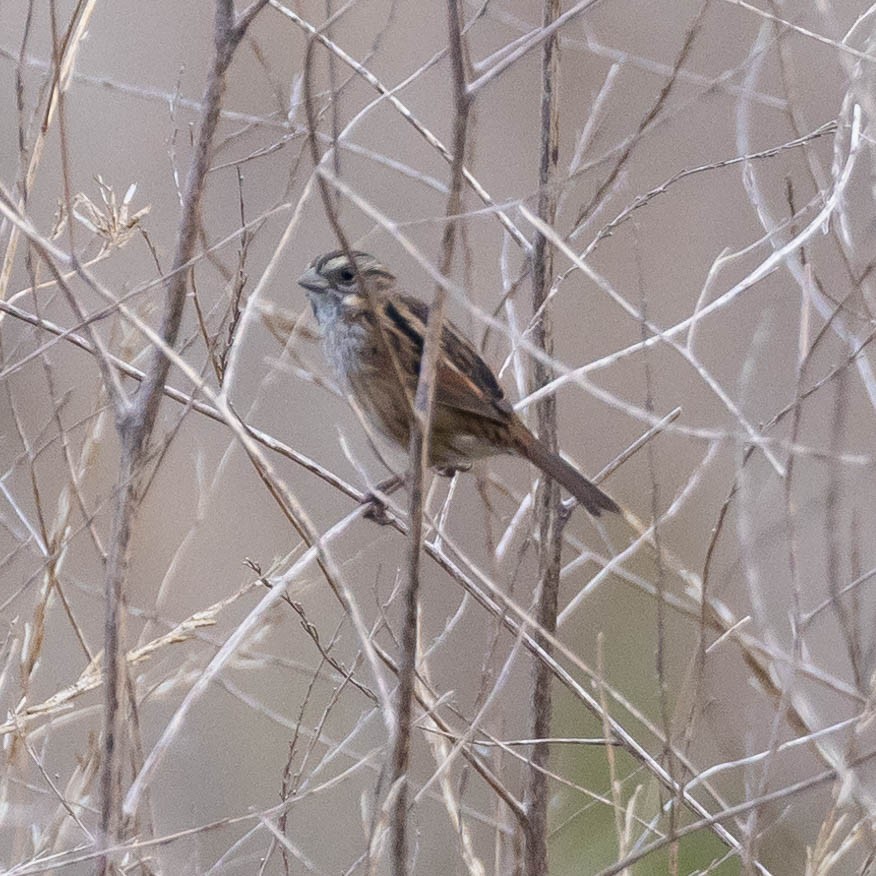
(566, 475)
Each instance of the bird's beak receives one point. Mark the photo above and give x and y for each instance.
(312, 281)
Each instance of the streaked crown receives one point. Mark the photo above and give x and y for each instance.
(340, 272)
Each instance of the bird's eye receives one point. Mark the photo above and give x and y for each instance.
(346, 275)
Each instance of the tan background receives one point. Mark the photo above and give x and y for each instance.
(130, 111)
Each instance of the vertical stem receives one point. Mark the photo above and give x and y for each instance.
(419, 452)
(547, 501)
(135, 423)
(114, 647)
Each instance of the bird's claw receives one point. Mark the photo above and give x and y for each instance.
(376, 509)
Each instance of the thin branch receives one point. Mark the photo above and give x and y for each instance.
(420, 450)
(136, 423)
(547, 502)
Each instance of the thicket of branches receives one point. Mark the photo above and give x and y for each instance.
(228, 646)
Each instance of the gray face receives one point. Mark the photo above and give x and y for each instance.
(326, 302)
(331, 282)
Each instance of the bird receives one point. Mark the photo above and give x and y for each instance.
(373, 337)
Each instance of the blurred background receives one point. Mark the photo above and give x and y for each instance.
(715, 186)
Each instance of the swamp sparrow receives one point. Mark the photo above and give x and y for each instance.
(374, 343)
